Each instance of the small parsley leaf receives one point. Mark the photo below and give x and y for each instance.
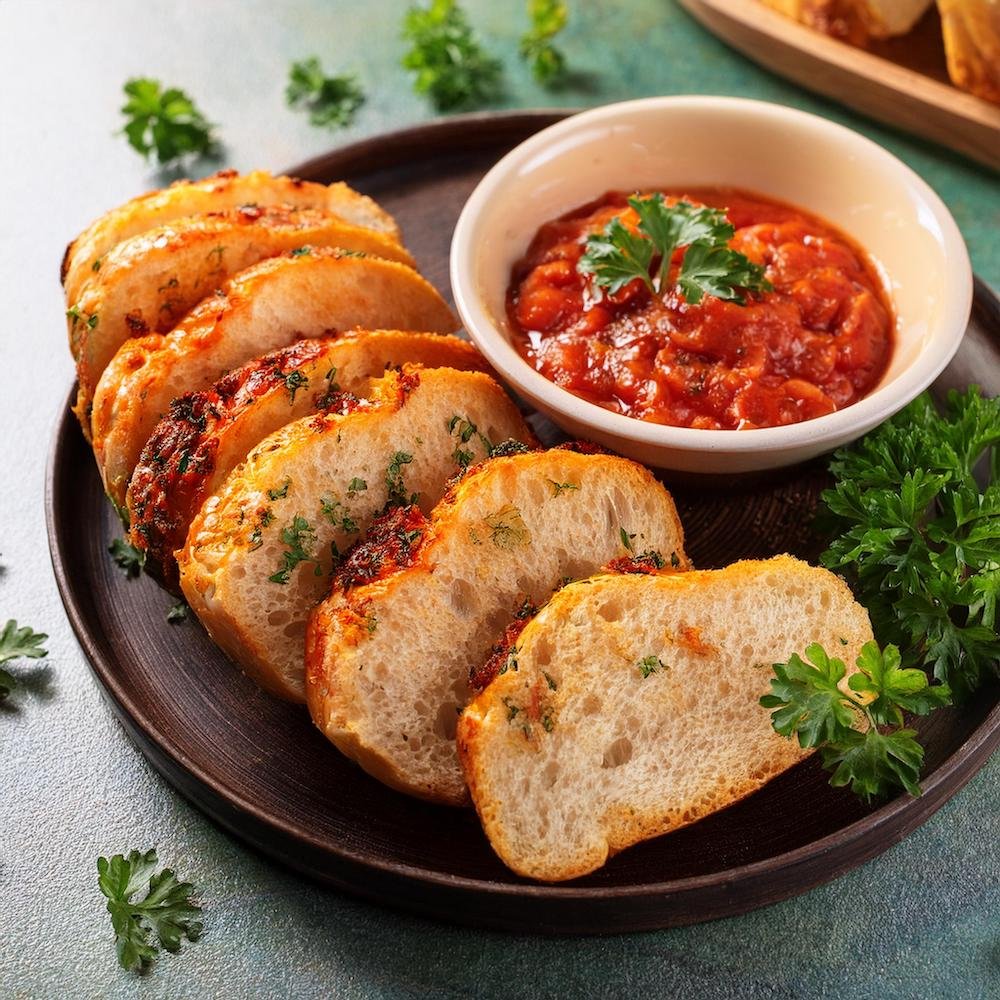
(127, 556)
(166, 910)
(548, 18)
(164, 122)
(332, 101)
(450, 65)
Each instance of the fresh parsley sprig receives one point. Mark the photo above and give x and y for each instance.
(859, 733)
(450, 64)
(620, 255)
(332, 101)
(548, 18)
(18, 643)
(166, 910)
(165, 122)
(918, 538)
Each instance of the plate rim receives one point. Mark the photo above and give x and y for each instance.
(894, 820)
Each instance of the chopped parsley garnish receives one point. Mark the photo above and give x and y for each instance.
(332, 101)
(127, 556)
(280, 492)
(626, 539)
(509, 447)
(650, 665)
(558, 488)
(860, 735)
(264, 518)
(298, 539)
(507, 528)
(18, 643)
(619, 255)
(294, 381)
(465, 430)
(356, 486)
(164, 909)
(394, 484)
(337, 514)
(548, 680)
(178, 612)
(301, 252)
(512, 709)
(449, 63)
(918, 537)
(548, 18)
(164, 122)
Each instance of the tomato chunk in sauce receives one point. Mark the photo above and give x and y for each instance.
(819, 341)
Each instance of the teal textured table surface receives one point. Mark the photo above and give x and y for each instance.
(922, 920)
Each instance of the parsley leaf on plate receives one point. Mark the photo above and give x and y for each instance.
(127, 556)
(548, 18)
(918, 535)
(164, 122)
(450, 64)
(859, 731)
(618, 255)
(331, 101)
(166, 909)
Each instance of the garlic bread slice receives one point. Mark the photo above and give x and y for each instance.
(633, 709)
(206, 434)
(268, 306)
(148, 283)
(225, 190)
(259, 553)
(511, 530)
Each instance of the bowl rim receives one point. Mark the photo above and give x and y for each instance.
(878, 405)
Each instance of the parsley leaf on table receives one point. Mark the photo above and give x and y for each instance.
(127, 556)
(165, 910)
(451, 66)
(17, 643)
(619, 255)
(330, 100)
(548, 18)
(164, 122)
(851, 729)
(919, 539)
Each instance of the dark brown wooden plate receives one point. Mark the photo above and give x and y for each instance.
(259, 767)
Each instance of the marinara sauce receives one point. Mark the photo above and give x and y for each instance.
(817, 343)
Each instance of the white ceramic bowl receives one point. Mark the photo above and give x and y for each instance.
(665, 142)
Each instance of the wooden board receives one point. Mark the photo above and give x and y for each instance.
(901, 82)
(261, 769)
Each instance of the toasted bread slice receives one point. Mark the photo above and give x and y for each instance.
(633, 709)
(207, 434)
(224, 190)
(148, 283)
(258, 554)
(509, 531)
(268, 306)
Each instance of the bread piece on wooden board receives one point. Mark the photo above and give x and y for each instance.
(857, 21)
(206, 434)
(148, 283)
(258, 554)
(634, 707)
(972, 45)
(266, 307)
(224, 190)
(510, 530)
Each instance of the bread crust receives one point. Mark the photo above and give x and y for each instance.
(490, 747)
(231, 564)
(226, 189)
(346, 676)
(148, 283)
(206, 434)
(268, 306)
